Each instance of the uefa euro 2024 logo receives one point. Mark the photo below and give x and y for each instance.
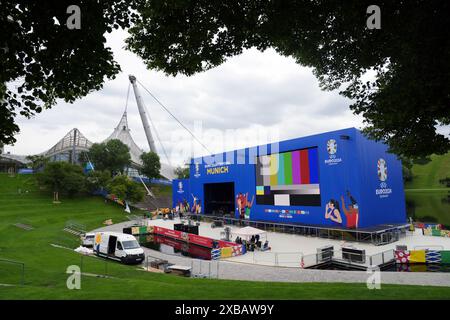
(197, 170)
(384, 191)
(332, 150)
(180, 187)
(331, 146)
(382, 169)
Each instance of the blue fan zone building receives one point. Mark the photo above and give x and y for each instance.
(337, 179)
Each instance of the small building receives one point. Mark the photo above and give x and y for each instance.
(11, 164)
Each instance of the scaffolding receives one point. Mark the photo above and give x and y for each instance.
(377, 235)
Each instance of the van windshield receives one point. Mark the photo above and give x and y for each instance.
(130, 244)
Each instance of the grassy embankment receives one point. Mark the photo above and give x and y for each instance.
(45, 265)
(429, 199)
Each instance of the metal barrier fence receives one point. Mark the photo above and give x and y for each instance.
(95, 265)
(199, 268)
(205, 268)
(280, 259)
(380, 237)
(349, 258)
(20, 265)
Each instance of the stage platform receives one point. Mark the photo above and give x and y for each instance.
(289, 249)
(377, 235)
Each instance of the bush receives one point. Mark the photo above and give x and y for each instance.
(62, 177)
(126, 189)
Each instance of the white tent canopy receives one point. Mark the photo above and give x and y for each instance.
(248, 232)
(122, 133)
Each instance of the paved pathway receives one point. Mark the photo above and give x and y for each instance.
(245, 271)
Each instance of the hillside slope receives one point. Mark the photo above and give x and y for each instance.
(427, 200)
(46, 264)
(427, 176)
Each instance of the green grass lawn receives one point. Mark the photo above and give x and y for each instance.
(161, 190)
(45, 265)
(427, 176)
(427, 199)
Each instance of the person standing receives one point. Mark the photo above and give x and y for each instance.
(351, 213)
(332, 212)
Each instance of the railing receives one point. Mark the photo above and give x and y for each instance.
(91, 264)
(279, 259)
(349, 258)
(428, 247)
(265, 258)
(199, 268)
(314, 259)
(378, 238)
(381, 258)
(75, 226)
(21, 266)
(205, 268)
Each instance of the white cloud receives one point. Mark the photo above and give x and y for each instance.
(252, 91)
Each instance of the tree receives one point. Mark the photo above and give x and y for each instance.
(112, 155)
(47, 61)
(150, 165)
(403, 103)
(37, 162)
(62, 177)
(126, 189)
(97, 180)
(182, 172)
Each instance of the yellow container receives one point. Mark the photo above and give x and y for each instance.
(226, 252)
(417, 256)
(134, 230)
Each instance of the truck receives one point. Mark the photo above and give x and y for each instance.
(118, 246)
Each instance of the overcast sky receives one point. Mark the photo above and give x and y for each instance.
(252, 98)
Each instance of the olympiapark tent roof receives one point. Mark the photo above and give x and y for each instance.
(66, 144)
(122, 133)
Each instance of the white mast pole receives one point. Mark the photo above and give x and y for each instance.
(148, 132)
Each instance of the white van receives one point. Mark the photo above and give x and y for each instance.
(118, 246)
(87, 240)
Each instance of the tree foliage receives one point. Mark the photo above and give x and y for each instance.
(62, 177)
(125, 188)
(37, 162)
(42, 60)
(97, 180)
(112, 155)
(150, 165)
(403, 103)
(182, 172)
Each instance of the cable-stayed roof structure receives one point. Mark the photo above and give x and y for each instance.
(69, 147)
(122, 133)
(74, 142)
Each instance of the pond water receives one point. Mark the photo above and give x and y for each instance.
(428, 206)
(394, 267)
(174, 247)
(419, 268)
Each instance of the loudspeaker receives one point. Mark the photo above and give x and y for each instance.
(192, 229)
(325, 253)
(178, 227)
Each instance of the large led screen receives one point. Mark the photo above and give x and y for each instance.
(288, 178)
